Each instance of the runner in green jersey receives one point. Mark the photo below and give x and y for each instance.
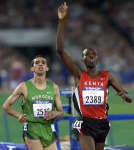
(41, 104)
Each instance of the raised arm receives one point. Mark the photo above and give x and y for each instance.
(20, 90)
(72, 67)
(120, 91)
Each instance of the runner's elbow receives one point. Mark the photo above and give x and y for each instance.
(5, 107)
(60, 51)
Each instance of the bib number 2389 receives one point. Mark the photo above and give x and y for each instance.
(93, 96)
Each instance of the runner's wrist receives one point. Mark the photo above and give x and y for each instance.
(58, 114)
(62, 21)
(55, 114)
(18, 115)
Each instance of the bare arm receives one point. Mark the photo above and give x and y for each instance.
(120, 91)
(58, 102)
(72, 67)
(59, 111)
(19, 91)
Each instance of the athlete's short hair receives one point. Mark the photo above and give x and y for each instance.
(86, 49)
(37, 56)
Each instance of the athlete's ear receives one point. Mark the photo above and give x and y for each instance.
(97, 59)
(47, 68)
(32, 69)
(82, 59)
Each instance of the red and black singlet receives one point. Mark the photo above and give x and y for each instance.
(93, 95)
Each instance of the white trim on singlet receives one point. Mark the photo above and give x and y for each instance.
(107, 92)
(76, 91)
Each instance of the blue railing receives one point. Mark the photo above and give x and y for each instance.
(66, 92)
(5, 146)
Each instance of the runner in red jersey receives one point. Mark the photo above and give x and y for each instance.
(91, 93)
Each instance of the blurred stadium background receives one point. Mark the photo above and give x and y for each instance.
(28, 28)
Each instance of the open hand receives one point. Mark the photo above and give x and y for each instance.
(126, 98)
(62, 11)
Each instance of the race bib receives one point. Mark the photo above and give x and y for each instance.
(93, 95)
(25, 126)
(77, 124)
(40, 107)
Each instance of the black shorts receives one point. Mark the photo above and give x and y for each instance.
(97, 128)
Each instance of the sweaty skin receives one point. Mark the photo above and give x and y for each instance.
(90, 59)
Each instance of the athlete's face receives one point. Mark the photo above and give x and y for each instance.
(39, 65)
(90, 58)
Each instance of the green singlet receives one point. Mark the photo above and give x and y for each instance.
(37, 102)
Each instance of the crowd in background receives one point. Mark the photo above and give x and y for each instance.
(123, 15)
(12, 69)
(26, 14)
(86, 28)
